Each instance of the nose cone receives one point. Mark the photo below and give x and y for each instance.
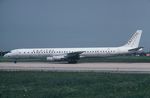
(7, 55)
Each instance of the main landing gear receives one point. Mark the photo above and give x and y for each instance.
(15, 61)
(72, 61)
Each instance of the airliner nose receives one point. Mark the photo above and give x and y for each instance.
(6, 55)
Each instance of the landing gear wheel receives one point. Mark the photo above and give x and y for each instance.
(72, 62)
(15, 62)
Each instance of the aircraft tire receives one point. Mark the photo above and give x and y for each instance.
(72, 61)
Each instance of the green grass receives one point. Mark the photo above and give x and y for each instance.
(73, 85)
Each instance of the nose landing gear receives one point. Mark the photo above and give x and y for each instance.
(15, 61)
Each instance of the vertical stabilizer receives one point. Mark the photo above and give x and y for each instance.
(134, 40)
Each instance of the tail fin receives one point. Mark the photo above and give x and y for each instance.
(134, 40)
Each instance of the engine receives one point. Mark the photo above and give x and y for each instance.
(56, 58)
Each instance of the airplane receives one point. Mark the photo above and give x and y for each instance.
(72, 55)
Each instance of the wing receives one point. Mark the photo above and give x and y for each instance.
(68, 56)
(74, 55)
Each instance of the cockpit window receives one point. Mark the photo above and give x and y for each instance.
(12, 51)
(9, 51)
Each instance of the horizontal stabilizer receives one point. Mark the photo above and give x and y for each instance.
(136, 49)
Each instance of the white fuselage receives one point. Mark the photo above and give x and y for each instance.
(50, 52)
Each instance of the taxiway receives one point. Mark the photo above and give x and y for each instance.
(80, 67)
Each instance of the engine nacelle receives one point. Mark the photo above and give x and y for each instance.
(56, 58)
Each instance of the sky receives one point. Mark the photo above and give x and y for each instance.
(72, 23)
